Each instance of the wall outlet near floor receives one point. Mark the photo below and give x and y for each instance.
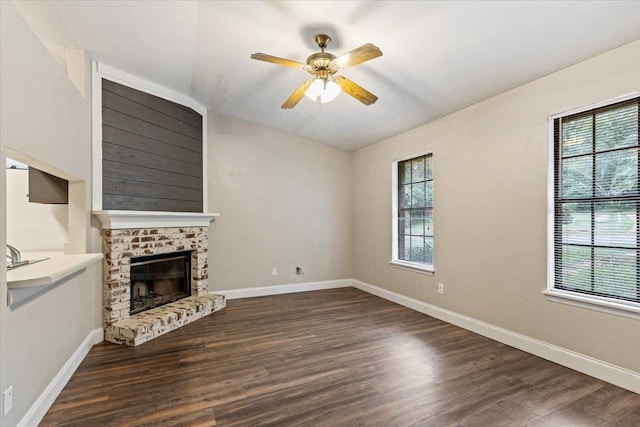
(8, 399)
(441, 288)
(274, 271)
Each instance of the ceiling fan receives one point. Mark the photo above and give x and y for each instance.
(323, 66)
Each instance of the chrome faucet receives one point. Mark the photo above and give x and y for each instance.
(14, 254)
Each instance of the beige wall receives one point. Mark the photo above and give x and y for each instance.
(490, 172)
(44, 117)
(283, 202)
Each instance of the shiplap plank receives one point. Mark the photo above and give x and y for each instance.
(141, 112)
(122, 187)
(131, 124)
(139, 158)
(117, 202)
(124, 171)
(177, 111)
(127, 139)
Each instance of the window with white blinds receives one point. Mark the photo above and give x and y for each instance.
(413, 212)
(596, 247)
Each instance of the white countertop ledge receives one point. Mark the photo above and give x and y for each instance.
(49, 271)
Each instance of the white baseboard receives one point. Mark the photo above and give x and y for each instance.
(40, 407)
(284, 289)
(604, 371)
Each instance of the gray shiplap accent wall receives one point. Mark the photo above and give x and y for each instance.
(151, 152)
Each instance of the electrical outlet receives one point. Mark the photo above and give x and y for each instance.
(8, 399)
(440, 288)
(274, 271)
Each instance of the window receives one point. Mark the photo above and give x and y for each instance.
(413, 213)
(596, 205)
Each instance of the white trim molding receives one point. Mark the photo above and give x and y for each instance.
(283, 289)
(595, 105)
(39, 409)
(150, 219)
(96, 137)
(604, 371)
(100, 71)
(412, 266)
(604, 305)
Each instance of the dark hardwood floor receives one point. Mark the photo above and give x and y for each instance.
(332, 358)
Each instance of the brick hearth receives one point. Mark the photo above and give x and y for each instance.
(119, 246)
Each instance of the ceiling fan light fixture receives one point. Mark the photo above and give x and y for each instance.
(315, 90)
(331, 90)
(326, 90)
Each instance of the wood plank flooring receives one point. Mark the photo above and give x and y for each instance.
(330, 358)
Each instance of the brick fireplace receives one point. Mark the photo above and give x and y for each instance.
(123, 241)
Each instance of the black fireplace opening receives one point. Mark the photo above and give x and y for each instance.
(159, 279)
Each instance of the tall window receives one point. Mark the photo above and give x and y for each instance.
(413, 213)
(597, 203)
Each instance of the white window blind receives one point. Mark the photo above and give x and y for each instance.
(597, 202)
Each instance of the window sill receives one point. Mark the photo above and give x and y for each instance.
(417, 268)
(604, 305)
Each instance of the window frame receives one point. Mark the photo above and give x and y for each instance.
(395, 261)
(604, 304)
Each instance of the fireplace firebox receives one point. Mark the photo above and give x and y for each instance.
(159, 279)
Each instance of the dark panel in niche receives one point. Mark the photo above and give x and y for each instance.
(47, 188)
(152, 152)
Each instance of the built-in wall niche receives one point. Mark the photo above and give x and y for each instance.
(32, 227)
(46, 207)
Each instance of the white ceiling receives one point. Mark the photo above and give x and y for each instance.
(439, 56)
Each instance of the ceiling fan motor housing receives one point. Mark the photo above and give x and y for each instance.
(320, 63)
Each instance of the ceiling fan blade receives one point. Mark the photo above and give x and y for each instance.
(276, 60)
(297, 95)
(357, 56)
(358, 92)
